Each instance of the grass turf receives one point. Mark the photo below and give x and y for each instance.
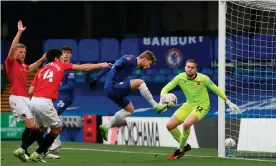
(86, 154)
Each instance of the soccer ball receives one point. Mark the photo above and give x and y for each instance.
(169, 99)
(230, 143)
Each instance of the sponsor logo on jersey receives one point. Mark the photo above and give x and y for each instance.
(71, 75)
(174, 58)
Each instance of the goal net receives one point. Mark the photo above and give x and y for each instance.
(250, 77)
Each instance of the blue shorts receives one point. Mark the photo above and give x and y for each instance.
(61, 105)
(118, 93)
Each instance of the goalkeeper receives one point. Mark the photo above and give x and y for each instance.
(194, 86)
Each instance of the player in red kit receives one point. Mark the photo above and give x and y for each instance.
(17, 75)
(44, 89)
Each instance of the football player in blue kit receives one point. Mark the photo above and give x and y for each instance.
(117, 87)
(65, 92)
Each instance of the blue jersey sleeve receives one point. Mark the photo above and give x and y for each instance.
(101, 73)
(69, 85)
(120, 63)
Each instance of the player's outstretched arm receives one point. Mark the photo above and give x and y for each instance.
(35, 65)
(93, 82)
(16, 39)
(209, 83)
(170, 86)
(87, 67)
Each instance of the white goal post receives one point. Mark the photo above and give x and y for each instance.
(247, 74)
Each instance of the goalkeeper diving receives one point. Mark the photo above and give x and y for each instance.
(194, 86)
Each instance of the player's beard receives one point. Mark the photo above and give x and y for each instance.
(191, 76)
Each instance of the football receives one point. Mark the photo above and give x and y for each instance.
(230, 143)
(169, 99)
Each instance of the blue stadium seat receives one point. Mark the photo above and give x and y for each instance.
(151, 72)
(177, 71)
(269, 69)
(5, 47)
(214, 78)
(59, 43)
(137, 72)
(129, 46)
(215, 71)
(216, 50)
(133, 77)
(238, 47)
(244, 72)
(146, 78)
(109, 49)
(80, 77)
(207, 71)
(263, 47)
(89, 50)
(170, 77)
(93, 74)
(165, 71)
(230, 48)
(159, 78)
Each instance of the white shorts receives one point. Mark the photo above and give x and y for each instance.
(20, 106)
(44, 112)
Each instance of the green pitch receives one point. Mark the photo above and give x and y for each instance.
(86, 154)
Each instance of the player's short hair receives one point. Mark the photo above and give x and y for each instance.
(192, 61)
(66, 48)
(52, 54)
(20, 45)
(149, 56)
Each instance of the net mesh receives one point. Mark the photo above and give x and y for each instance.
(251, 77)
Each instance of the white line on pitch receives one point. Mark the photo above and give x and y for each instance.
(163, 154)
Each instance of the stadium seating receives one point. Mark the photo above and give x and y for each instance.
(151, 72)
(89, 50)
(207, 71)
(146, 78)
(109, 49)
(242, 47)
(137, 72)
(5, 46)
(80, 77)
(239, 48)
(263, 47)
(165, 71)
(159, 78)
(129, 46)
(59, 43)
(170, 77)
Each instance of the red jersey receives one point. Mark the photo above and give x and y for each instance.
(48, 79)
(17, 75)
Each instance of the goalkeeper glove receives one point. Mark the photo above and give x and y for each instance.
(233, 107)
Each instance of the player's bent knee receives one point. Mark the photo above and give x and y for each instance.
(187, 126)
(140, 81)
(169, 126)
(135, 83)
(42, 128)
(29, 123)
(56, 130)
(129, 108)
